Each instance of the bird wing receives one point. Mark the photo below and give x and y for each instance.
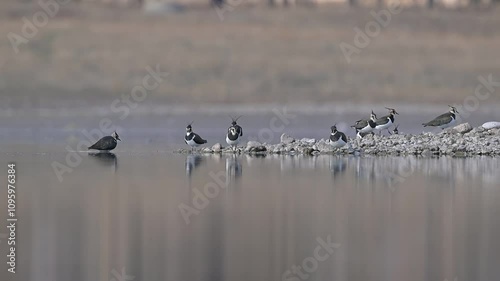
(343, 137)
(382, 120)
(198, 139)
(338, 135)
(360, 124)
(104, 143)
(440, 120)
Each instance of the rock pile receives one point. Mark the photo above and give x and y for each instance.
(460, 141)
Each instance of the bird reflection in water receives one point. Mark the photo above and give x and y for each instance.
(107, 159)
(233, 168)
(193, 161)
(338, 165)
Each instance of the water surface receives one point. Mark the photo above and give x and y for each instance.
(390, 218)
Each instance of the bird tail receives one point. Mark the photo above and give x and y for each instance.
(204, 141)
(425, 124)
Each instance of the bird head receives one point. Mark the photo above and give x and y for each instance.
(116, 136)
(392, 111)
(453, 109)
(189, 129)
(334, 129)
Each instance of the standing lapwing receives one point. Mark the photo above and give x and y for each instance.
(364, 127)
(386, 121)
(234, 133)
(337, 138)
(106, 143)
(233, 137)
(193, 139)
(444, 120)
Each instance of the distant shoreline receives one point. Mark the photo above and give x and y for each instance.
(84, 108)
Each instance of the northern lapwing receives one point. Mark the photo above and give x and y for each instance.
(238, 128)
(234, 133)
(386, 121)
(193, 139)
(444, 120)
(106, 143)
(337, 138)
(365, 126)
(233, 137)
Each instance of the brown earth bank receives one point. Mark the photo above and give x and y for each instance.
(254, 55)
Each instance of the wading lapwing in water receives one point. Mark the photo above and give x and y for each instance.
(445, 120)
(106, 143)
(386, 121)
(364, 127)
(234, 133)
(337, 138)
(193, 139)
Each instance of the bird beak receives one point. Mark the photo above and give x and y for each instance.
(118, 138)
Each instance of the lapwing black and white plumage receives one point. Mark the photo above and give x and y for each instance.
(364, 127)
(234, 133)
(386, 121)
(337, 138)
(444, 120)
(106, 143)
(238, 128)
(192, 139)
(233, 137)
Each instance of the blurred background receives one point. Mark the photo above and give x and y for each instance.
(247, 51)
(64, 62)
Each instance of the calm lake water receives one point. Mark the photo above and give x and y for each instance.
(163, 216)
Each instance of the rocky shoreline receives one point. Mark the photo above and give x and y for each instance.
(460, 141)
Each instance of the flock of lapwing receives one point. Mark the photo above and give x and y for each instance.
(337, 139)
